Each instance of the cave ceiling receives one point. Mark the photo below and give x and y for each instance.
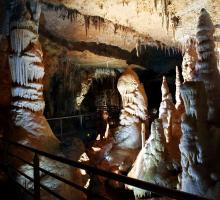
(119, 25)
(167, 21)
(103, 30)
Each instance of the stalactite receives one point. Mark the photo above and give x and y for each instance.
(32, 94)
(101, 73)
(138, 48)
(24, 69)
(72, 14)
(31, 105)
(63, 11)
(97, 21)
(20, 39)
(165, 15)
(87, 22)
(155, 4)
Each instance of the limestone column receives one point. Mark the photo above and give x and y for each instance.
(27, 72)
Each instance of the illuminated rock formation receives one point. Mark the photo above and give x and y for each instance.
(166, 110)
(199, 144)
(171, 118)
(134, 99)
(189, 60)
(206, 65)
(200, 141)
(127, 140)
(179, 101)
(97, 74)
(179, 106)
(27, 71)
(153, 163)
(85, 86)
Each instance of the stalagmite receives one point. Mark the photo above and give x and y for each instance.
(171, 120)
(200, 141)
(166, 110)
(179, 103)
(134, 98)
(127, 140)
(153, 163)
(206, 65)
(189, 60)
(199, 145)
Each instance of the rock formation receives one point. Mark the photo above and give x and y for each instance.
(179, 101)
(159, 161)
(189, 60)
(27, 71)
(85, 86)
(200, 141)
(206, 66)
(197, 146)
(153, 162)
(166, 110)
(127, 140)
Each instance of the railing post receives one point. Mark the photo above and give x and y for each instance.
(36, 178)
(81, 121)
(61, 129)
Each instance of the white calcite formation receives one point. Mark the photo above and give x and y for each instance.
(166, 110)
(171, 118)
(30, 126)
(134, 98)
(206, 65)
(133, 119)
(199, 145)
(26, 65)
(153, 162)
(200, 142)
(97, 74)
(85, 86)
(189, 60)
(179, 102)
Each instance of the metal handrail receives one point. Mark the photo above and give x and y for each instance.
(163, 191)
(81, 116)
(71, 116)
